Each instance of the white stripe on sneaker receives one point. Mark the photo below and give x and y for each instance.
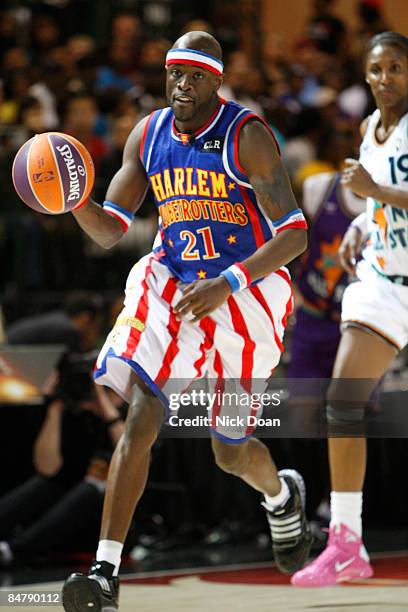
(274, 521)
(286, 536)
(285, 528)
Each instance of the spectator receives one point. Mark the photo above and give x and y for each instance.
(241, 82)
(32, 118)
(112, 160)
(122, 54)
(325, 29)
(77, 325)
(45, 35)
(80, 46)
(57, 507)
(49, 89)
(14, 89)
(7, 31)
(302, 146)
(334, 144)
(371, 21)
(141, 234)
(80, 118)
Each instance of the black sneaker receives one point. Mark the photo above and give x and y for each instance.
(93, 592)
(290, 531)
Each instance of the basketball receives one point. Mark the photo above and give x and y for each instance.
(53, 173)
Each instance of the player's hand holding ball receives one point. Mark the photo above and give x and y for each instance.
(53, 173)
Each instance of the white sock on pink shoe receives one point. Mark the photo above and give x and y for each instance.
(347, 508)
(110, 551)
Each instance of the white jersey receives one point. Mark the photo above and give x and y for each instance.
(387, 163)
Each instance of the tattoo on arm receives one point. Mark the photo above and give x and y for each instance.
(260, 158)
(274, 192)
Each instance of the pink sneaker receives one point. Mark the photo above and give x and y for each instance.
(339, 562)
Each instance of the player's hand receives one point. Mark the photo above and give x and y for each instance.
(350, 249)
(202, 297)
(356, 178)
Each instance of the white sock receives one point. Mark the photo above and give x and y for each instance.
(364, 553)
(110, 551)
(6, 551)
(347, 508)
(280, 499)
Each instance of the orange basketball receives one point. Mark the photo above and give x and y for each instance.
(53, 173)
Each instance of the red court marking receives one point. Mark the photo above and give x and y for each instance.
(388, 571)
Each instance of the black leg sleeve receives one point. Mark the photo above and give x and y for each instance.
(62, 521)
(27, 501)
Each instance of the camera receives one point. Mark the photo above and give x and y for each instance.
(75, 382)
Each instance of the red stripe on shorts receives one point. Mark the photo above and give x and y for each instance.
(283, 274)
(208, 326)
(205, 345)
(140, 314)
(173, 327)
(289, 305)
(249, 345)
(251, 428)
(219, 389)
(256, 292)
(169, 290)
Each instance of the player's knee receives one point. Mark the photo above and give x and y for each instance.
(143, 422)
(344, 415)
(344, 412)
(231, 458)
(343, 407)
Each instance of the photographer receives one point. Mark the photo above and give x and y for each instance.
(2, 336)
(59, 506)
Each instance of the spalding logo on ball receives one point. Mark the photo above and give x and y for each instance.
(53, 173)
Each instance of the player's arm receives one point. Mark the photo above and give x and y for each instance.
(47, 453)
(352, 243)
(356, 178)
(125, 194)
(259, 156)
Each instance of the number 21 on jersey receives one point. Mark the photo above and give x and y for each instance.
(190, 251)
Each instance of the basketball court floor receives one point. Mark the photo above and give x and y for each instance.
(247, 587)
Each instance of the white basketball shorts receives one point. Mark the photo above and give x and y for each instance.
(241, 340)
(377, 304)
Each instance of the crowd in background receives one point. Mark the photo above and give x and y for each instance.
(72, 67)
(60, 71)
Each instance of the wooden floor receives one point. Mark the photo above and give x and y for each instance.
(258, 588)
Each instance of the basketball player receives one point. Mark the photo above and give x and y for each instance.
(320, 284)
(211, 299)
(321, 280)
(374, 309)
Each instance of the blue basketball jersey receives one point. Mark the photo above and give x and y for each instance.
(209, 215)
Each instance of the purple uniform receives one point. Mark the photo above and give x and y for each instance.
(322, 280)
